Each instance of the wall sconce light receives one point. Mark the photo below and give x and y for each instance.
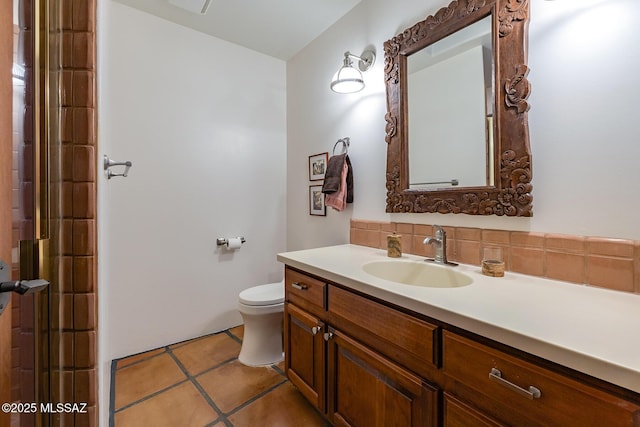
(349, 79)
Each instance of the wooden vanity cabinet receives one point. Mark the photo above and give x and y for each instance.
(364, 362)
(366, 389)
(517, 392)
(349, 380)
(459, 414)
(405, 339)
(306, 292)
(305, 354)
(304, 328)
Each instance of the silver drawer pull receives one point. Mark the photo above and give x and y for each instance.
(531, 393)
(300, 287)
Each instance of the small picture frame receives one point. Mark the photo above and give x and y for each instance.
(318, 166)
(316, 201)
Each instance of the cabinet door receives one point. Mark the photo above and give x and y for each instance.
(366, 389)
(305, 354)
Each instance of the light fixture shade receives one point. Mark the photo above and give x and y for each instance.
(347, 80)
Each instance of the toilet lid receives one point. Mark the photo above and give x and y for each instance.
(269, 294)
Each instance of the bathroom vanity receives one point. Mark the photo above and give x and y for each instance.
(515, 350)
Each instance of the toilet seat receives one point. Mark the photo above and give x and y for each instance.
(263, 295)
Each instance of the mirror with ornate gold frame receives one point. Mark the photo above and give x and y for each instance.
(510, 193)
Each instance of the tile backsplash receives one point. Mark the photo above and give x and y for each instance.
(595, 261)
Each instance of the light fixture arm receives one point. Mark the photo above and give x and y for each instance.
(365, 61)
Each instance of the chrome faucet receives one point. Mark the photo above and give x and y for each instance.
(439, 241)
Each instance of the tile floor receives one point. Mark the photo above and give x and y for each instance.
(201, 383)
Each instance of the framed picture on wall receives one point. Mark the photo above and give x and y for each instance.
(318, 166)
(316, 201)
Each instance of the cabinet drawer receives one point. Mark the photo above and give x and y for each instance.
(410, 341)
(459, 414)
(501, 385)
(305, 291)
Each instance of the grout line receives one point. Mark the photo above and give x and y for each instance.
(225, 362)
(254, 398)
(224, 420)
(208, 398)
(235, 338)
(112, 403)
(197, 385)
(141, 360)
(222, 417)
(278, 370)
(149, 396)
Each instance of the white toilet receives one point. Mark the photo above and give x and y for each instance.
(262, 310)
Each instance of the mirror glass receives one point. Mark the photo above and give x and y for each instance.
(450, 110)
(456, 122)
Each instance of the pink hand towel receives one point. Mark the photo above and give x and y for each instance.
(338, 199)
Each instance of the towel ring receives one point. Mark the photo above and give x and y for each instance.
(345, 145)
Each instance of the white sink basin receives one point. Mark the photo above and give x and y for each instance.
(417, 273)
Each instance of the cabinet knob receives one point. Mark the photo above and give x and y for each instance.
(328, 336)
(315, 330)
(299, 286)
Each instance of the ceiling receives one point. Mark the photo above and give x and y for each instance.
(278, 28)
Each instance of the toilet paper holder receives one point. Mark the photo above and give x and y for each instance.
(221, 241)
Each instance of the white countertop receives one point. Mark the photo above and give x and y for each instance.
(591, 330)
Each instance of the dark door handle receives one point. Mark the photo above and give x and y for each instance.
(22, 287)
